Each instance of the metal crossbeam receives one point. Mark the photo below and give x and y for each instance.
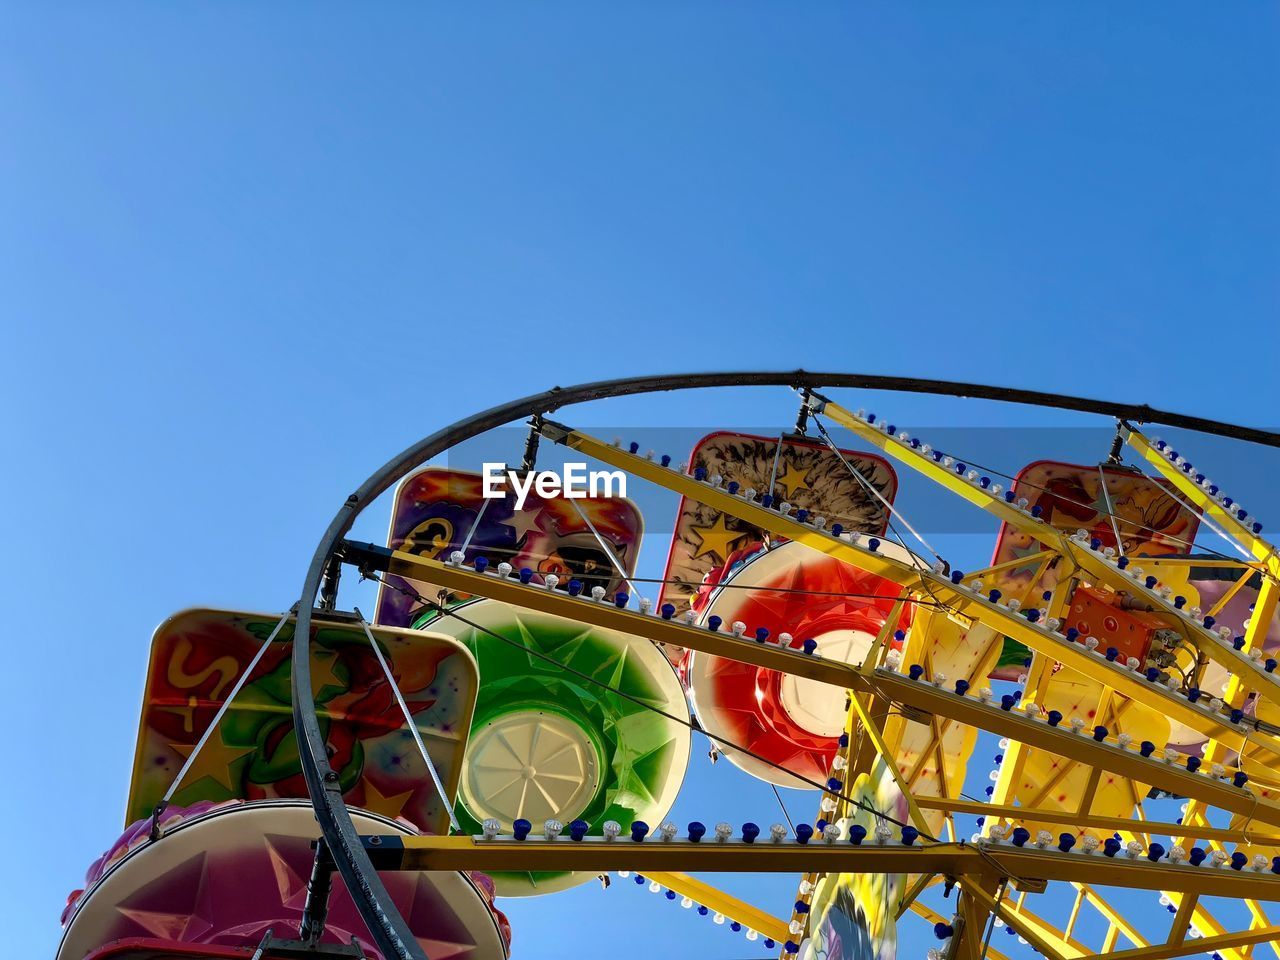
(717, 901)
(1257, 546)
(994, 861)
(892, 686)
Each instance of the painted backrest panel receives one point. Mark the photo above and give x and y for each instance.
(196, 657)
(708, 544)
(1071, 497)
(438, 511)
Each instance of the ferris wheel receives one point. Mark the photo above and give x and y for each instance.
(517, 715)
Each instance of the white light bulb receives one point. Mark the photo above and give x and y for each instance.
(668, 831)
(491, 828)
(723, 832)
(611, 829)
(504, 570)
(777, 832)
(552, 829)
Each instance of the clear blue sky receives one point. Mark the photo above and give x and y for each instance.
(248, 251)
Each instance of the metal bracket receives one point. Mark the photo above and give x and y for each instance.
(315, 911)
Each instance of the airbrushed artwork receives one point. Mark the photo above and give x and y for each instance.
(196, 657)
(1124, 510)
(438, 511)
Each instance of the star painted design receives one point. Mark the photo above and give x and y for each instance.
(322, 675)
(716, 539)
(524, 522)
(792, 479)
(247, 883)
(389, 805)
(1031, 549)
(215, 761)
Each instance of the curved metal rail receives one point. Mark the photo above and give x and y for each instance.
(386, 926)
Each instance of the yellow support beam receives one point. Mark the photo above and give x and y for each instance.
(1099, 567)
(1015, 814)
(1082, 748)
(1113, 916)
(993, 861)
(932, 917)
(1035, 931)
(1255, 545)
(1182, 921)
(716, 900)
(973, 914)
(1162, 951)
(871, 729)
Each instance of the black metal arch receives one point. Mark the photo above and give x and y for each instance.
(388, 929)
